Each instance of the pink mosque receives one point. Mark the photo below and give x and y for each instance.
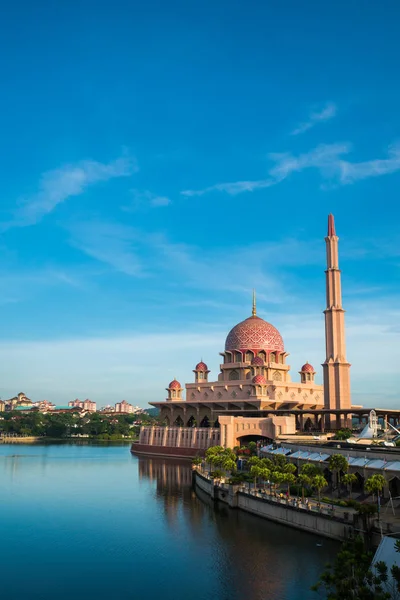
(254, 394)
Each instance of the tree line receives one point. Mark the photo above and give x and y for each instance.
(68, 424)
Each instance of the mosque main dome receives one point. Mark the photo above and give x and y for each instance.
(254, 334)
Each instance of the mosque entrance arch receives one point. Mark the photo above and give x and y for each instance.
(244, 440)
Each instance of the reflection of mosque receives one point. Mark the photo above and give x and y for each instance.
(247, 552)
(173, 480)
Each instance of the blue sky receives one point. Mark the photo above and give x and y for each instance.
(159, 160)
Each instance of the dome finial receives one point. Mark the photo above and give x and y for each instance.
(254, 311)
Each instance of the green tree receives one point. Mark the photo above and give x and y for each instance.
(254, 461)
(267, 463)
(319, 483)
(349, 479)
(197, 461)
(338, 464)
(305, 481)
(352, 578)
(374, 485)
(277, 478)
(252, 447)
(310, 470)
(289, 479)
(229, 464)
(256, 471)
(265, 475)
(280, 461)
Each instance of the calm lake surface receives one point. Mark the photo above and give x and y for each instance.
(96, 522)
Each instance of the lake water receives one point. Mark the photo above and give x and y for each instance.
(81, 522)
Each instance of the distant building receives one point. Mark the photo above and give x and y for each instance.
(87, 404)
(108, 409)
(20, 400)
(124, 407)
(2, 405)
(44, 405)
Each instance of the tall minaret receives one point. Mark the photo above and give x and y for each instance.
(336, 368)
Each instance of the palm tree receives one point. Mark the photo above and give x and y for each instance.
(319, 483)
(349, 479)
(338, 464)
(305, 481)
(374, 485)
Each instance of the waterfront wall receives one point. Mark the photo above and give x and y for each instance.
(166, 451)
(312, 522)
(194, 438)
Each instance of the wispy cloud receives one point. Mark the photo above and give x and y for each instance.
(326, 158)
(315, 117)
(58, 185)
(111, 243)
(144, 199)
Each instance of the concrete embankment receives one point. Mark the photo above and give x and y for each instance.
(320, 523)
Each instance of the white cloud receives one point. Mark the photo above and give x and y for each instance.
(327, 159)
(111, 243)
(58, 185)
(145, 198)
(327, 113)
(108, 369)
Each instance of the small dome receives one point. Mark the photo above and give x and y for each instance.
(257, 361)
(307, 368)
(174, 385)
(259, 380)
(201, 366)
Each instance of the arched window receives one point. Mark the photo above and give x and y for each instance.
(277, 376)
(233, 375)
(281, 358)
(228, 357)
(238, 357)
(201, 375)
(272, 357)
(262, 355)
(234, 394)
(205, 422)
(249, 356)
(173, 394)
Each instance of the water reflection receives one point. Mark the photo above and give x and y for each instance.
(254, 558)
(107, 525)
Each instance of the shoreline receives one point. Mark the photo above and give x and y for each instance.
(318, 523)
(51, 440)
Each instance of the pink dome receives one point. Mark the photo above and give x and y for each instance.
(257, 361)
(174, 385)
(254, 334)
(307, 368)
(201, 366)
(259, 380)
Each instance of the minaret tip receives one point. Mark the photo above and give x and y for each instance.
(254, 311)
(331, 225)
